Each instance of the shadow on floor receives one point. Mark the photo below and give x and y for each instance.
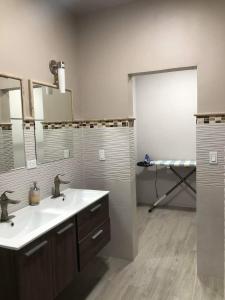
(85, 281)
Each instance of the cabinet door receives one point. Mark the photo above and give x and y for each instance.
(8, 279)
(65, 255)
(34, 270)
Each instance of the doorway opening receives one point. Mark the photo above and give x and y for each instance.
(164, 107)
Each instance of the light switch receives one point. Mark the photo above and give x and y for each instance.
(213, 157)
(31, 164)
(101, 154)
(66, 153)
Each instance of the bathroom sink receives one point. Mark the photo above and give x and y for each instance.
(86, 195)
(83, 197)
(33, 221)
(21, 226)
(62, 204)
(73, 199)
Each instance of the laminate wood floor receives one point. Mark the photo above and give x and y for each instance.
(164, 269)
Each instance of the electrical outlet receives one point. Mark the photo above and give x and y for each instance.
(31, 164)
(101, 154)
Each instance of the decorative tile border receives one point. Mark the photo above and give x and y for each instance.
(6, 126)
(57, 125)
(129, 122)
(210, 118)
(28, 124)
(104, 123)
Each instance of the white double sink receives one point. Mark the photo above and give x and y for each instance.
(33, 221)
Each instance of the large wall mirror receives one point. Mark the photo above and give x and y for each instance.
(12, 153)
(53, 116)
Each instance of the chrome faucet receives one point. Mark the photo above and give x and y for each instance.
(4, 201)
(57, 182)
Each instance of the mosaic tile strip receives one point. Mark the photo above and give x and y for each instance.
(210, 118)
(6, 126)
(28, 124)
(57, 125)
(129, 122)
(104, 123)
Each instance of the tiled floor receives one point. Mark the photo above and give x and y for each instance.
(165, 268)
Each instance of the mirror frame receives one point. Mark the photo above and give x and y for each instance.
(25, 113)
(31, 94)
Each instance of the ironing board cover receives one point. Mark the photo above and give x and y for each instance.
(175, 163)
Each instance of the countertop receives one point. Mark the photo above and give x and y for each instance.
(31, 222)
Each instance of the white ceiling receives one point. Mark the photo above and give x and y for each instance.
(86, 6)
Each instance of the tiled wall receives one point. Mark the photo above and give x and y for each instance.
(55, 141)
(84, 170)
(210, 198)
(6, 150)
(21, 180)
(116, 174)
(116, 143)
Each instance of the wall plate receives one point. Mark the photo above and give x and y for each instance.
(31, 164)
(213, 157)
(101, 154)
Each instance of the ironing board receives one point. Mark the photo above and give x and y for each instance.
(172, 164)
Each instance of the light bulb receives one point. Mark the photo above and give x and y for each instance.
(61, 77)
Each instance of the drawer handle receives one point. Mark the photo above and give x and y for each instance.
(61, 231)
(36, 248)
(94, 237)
(95, 208)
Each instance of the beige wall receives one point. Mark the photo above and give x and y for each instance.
(32, 33)
(138, 37)
(147, 36)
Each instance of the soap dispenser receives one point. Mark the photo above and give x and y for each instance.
(34, 194)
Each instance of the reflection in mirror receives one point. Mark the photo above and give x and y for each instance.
(53, 123)
(12, 155)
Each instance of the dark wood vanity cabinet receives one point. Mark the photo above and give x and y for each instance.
(92, 216)
(42, 269)
(34, 270)
(93, 230)
(93, 243)
(64, 255)
(27, 273)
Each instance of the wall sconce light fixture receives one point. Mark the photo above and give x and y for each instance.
(58, 70)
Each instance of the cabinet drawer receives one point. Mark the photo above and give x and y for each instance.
(92, 216)
(93, 243)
